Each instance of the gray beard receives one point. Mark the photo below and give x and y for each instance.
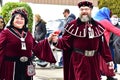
(84, 19)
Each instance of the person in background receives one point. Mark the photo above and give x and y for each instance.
(113, 39)
(68, 18)
(2, 23)
(116, 46)
(103, 17)
(40, 28)
(39, 34)
(16, 46)
(83, 42)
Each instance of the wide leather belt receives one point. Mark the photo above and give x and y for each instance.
(20, 59)
(85, 52)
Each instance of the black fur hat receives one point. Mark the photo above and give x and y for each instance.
(85, 3)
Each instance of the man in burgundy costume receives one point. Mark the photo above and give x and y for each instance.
(82, 43)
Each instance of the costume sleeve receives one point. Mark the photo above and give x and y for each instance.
(65, 42)
(105, 50)
(43, 51)
(3, 42)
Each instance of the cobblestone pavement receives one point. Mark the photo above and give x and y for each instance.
(56, 74)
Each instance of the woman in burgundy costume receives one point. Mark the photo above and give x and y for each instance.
(16, 46)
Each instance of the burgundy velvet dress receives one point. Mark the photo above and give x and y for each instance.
(1, 30)
(11, 68)
(77, 66)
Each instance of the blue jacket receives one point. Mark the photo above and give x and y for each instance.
(70, 18)
(103, 13)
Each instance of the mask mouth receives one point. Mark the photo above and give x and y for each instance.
(114, 21)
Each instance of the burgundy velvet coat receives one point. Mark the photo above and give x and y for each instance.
(10, 45)
(78, 66)
(1, 30)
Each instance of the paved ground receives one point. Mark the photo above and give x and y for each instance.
(56, 74)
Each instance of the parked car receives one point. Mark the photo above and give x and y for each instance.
(55, 25)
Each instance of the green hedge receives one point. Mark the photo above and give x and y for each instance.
(113, 5)
(8, 7)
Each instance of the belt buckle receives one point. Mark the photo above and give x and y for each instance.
(89, 53)
(23, 59)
